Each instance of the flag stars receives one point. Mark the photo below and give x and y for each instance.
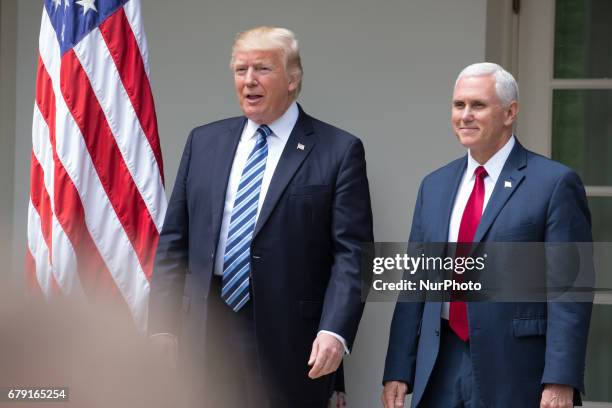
(87, 5)
(57, 3)
(66, 4)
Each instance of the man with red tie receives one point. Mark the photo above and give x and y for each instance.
(479, 354)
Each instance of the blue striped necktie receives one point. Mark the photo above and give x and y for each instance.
(236, 261)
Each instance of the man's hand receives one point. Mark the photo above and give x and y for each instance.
(394, 394)
(557, 396)
(165, 347)
(326, 355)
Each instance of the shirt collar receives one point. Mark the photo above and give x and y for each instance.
(281, 127)
(495, 164)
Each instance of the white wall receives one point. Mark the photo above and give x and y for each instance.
(382, 70)
(8, 27)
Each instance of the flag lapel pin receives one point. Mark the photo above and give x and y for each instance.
(507, 184)
(300, 146)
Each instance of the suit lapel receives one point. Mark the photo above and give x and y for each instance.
(501, 193)
(223, 160)
(447, 201)
(290, 160)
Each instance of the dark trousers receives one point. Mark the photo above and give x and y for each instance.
(233, 374)
(451, 384)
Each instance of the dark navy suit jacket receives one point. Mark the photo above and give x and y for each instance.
(305, 251)
(515, 347)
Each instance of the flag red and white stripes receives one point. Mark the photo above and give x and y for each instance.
(97, 200)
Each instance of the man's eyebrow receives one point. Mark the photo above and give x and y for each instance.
(471, 101)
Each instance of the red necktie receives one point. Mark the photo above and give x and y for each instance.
(472, 213)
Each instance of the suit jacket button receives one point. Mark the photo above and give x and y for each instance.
(437, 333)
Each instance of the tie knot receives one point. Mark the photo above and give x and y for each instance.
(264, 131)
(480, 172)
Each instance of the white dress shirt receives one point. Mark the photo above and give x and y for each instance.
(493, 167)
(281, 130)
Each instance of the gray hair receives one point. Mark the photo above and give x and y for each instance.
(505, 84)
(270, 38)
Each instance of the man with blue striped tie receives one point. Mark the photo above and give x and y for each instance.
(261, 243)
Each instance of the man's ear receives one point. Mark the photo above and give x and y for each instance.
(511, 112)
(294, 80)
(292, 86)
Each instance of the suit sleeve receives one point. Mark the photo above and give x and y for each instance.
(400, 362)
(171, 258)
(350, 227)
(568, 220)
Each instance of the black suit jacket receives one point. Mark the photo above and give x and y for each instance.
(305, 252)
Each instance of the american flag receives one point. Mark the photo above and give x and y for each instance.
(97, 200)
